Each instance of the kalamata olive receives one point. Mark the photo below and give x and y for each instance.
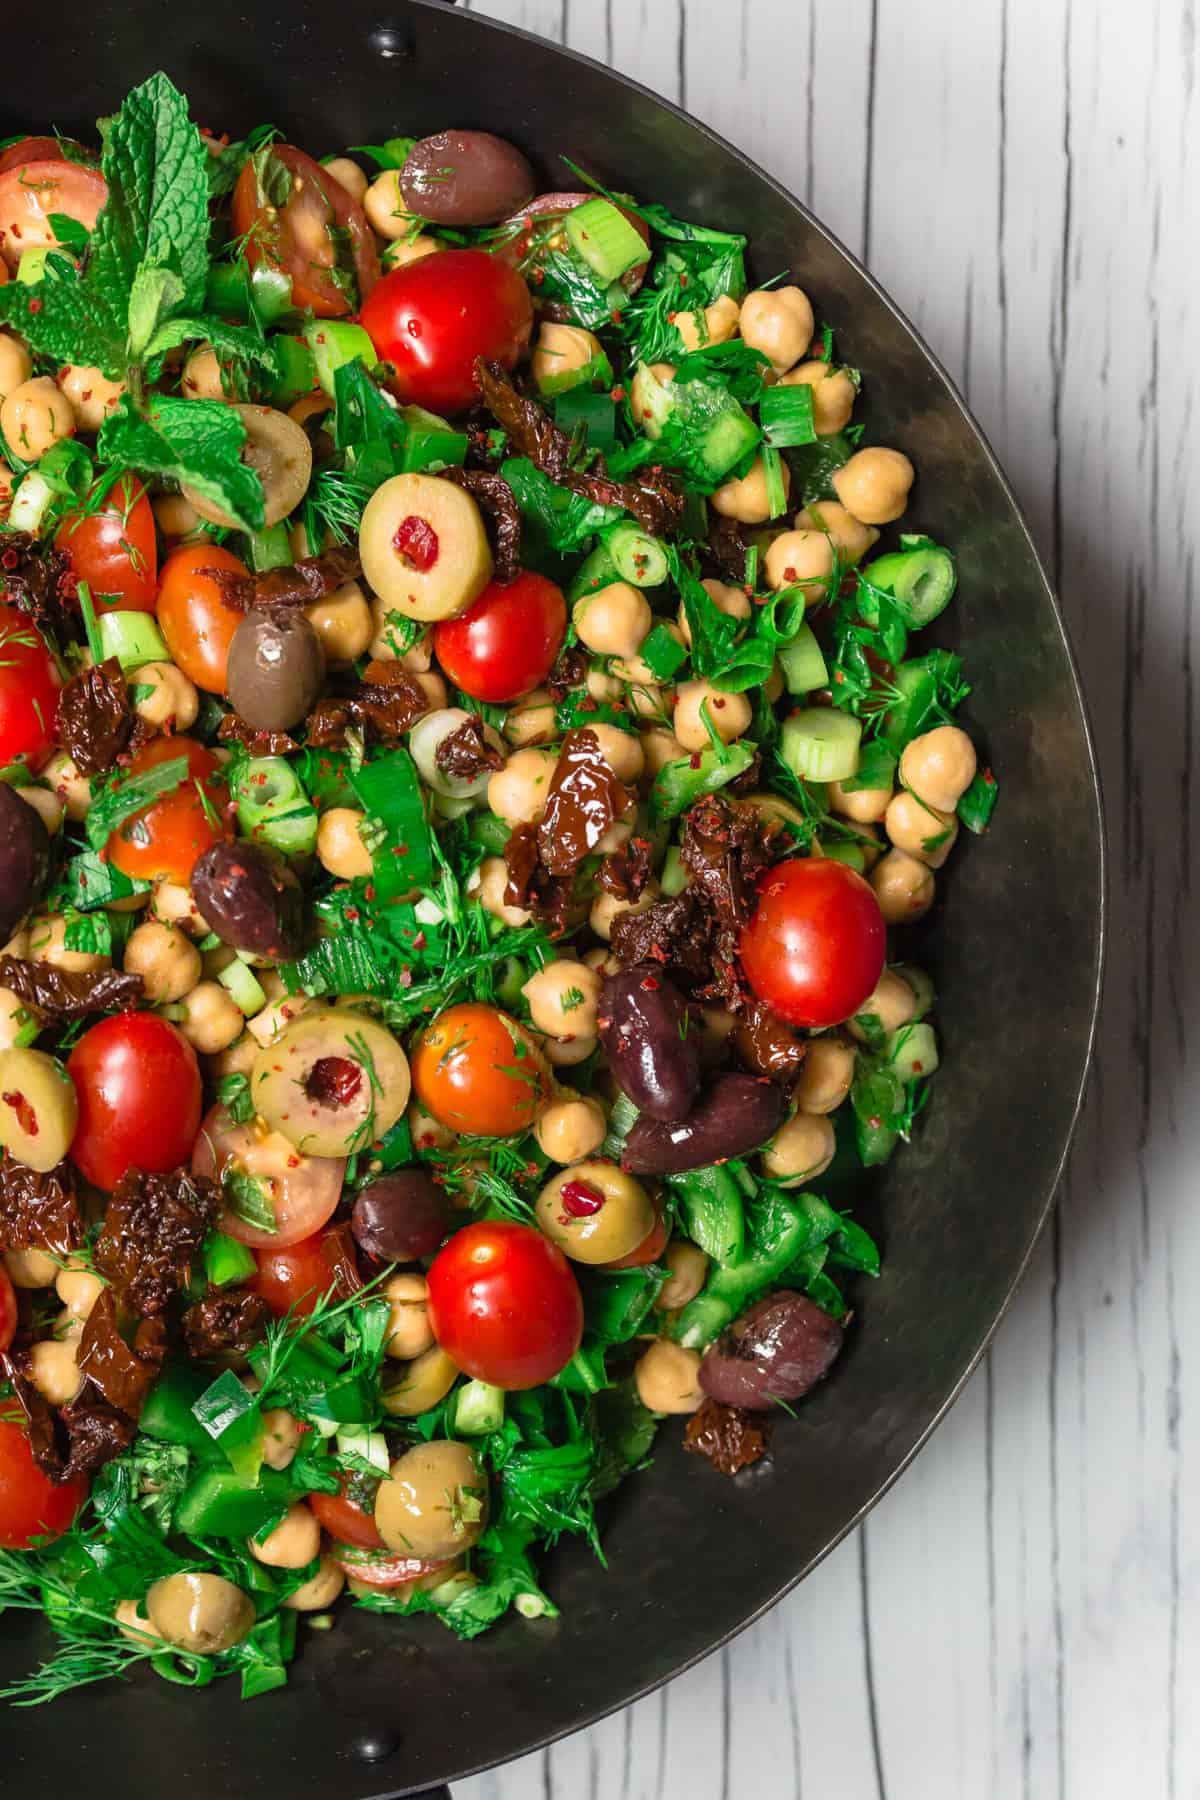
(276, 667)
(465, 178)
(779, 1349)
(734, 1116)
(401, 1216)
(24, 852)
(250, 898)
(644, 1027)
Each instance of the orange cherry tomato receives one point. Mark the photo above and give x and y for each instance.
(319, 235)
(114, 550)
(477, 1071)
(195, 620)
(649, 1250)
(31, 1505)
(164, 841)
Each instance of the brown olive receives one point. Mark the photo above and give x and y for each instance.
(465, 178)
(276, 667)
(251, 899)
(735, 1115)
(24, 853)
(780, 1348)
(401, 1217)
(434, 1502)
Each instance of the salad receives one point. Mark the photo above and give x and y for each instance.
(466, 771)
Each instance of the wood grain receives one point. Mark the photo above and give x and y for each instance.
(1021, 1616)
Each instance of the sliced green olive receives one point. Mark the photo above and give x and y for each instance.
(279, 452)
(434, 1501)
(38, 1108)
(595, 1212)
(332, 1083)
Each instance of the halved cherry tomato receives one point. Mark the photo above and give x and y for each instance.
(507, 641)
(31, 1505)
(113, 548)
(193, 614)
(31, 149)
(303, 1191)
(815, 946)
(295, 1276)
(8, 1310)
(504, 1304)
(432, 319)
(476, 1070)
(302, 237)
(379, 1568)
(32, 190)
(650, 1248)
(166, 839)
(343, 1518)
(28, 688)
(528, 247)
(138, 1086)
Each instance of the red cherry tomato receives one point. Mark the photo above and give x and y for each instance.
(8, 1310)
(28, 689)
(507, 642)
(343, 1518)
(504, 1304)
(138, 1086)
(650, 1248)
(195, 619)
(305, 236)
(31, 1505)
(476, 1070)
(114, 549)
(295, 1276)
(31, 149)
(815, 947)
(431, 319)
(381, 1568)
(30, 191)
(165, 840)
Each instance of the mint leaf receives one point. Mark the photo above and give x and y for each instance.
(194, 441)
(66, 321)
(154, 296)
(157, 213)
(239, 342)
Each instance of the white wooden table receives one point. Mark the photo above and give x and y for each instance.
(1021, 1616)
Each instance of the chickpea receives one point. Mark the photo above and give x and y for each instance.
(848, 535)
(392, 633)
(602, 960)
(8, 487)
(614, 621)
(518, 791)
(409, 1331)
(734, 602)
(622, 751)
(72, 788)
(891, 1005)
(16, 364)
(825, 1076)
(779, 322)
(212, 1019)
(384, 206)
(801, 1149)
(603, 686)
(562, 350)
(804, 557)
(352, 178)
(571, 1128)
(48, 807)
(133, 1622)
(939, 766)
(903, 887)
(434, 690)
(89, 391)
(422, 1383)
(567, 1052)
(428, 1133)
(14, 1016)
(615, 838)
(715, 325)
(564, 998)
(533, 722)
(202, 378)
(833, 394)
(295, 1541)
(172, 700)
(623, 1219)
(320, 1590)
(874, 485)
(173, 905)
(237, 1059)
(168, 962)
(689, 1271)
(490, 882)
(668, 1378)
(54, 1370)
(340, 848)
(745, 498)
(409, 250)
(434, 1501)
(31, 1268)
(730, 714)
(175, 516)
(47, 944)
(200, 1612)
(79, 1290)
(282, 1436)
(343, 623)
(35, 417)
(636, 668)
(866, 806)
(660, 746)
(607, 908)
(915, 827)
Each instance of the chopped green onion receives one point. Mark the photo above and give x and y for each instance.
(680, 783)
(912, 1051)
(602, 235)
(430, 443)
(673, 878)
(32, 267)
(360, 1440)
(30, 501)
(820, 744)
(637, 556)
(132, 637)
(596, 413)
(921, 578)
(803, 665)
(273, 807)
(389, 792)
(242, 987)
(90, 625)
(772, 464)
(478, 1408)
(334, 342)
(269, 548)
(595, 572)
(597, 373)
(786, 416)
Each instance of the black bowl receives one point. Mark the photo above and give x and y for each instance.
(693, 1557)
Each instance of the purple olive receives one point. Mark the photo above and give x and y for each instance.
(465, 178)
(250, 898)
(644, 1027)
(24, 856)
(401, 1217)
(779, 1349)
(734, 1116)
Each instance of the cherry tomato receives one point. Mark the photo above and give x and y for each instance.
(380, 1568)
(164, 841)
(815, 947)
(303, 237)
(28, 689)
(138, 1086)
(650, 1248)
(31, 149)
(504, 1304)
(193, 614)
(431, 319)
(8, 1310)
(31, 1505)
(294, 1276)
(31, 191)
(507, 642)
(476, 1070)
(343, 1518)
(114, 549)
(303, 1190)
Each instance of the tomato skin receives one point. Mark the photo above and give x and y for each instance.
(31, 1505)
(165, 840)
(295, 1276)
(138, 1085)
(8, 1310)
(31, 149)
(431, 319)
(507, 642)
(815, 946)
(28, 690)
(114, 549)
(193, 616)
(504, 1304)
(295, 238)
(465, 1072)
(31, 190)
(342, 1518)
(384, 1570)
(649, 1250)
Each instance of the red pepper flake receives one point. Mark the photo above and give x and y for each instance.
(649, 984)
(420, 942)
(35, 306)
(617, 394)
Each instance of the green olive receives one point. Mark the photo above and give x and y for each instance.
(333, 1082)
(38, 1108)
(434, 1502)
(424, 1381)
(200, 1612)
(602, 1214)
